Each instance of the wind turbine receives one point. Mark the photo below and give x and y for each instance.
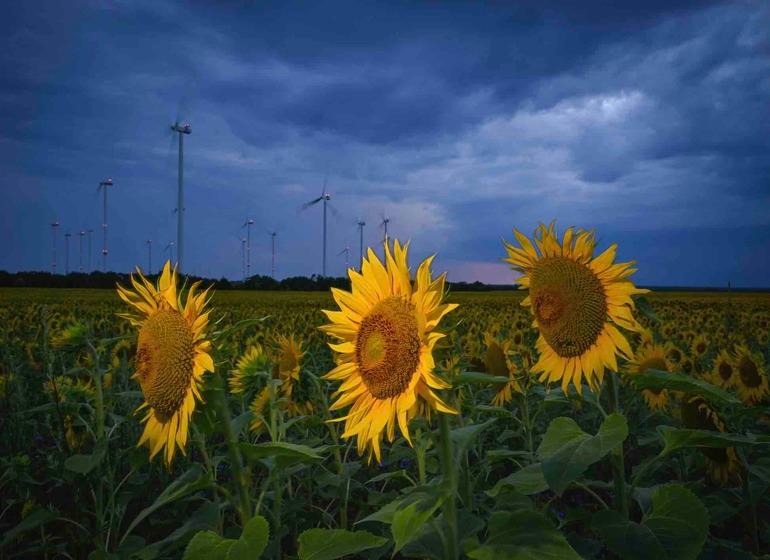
(273, 234)
(170, 248)
(243, 257)
(103, 186)
(361, 224)
(346, 250)
(80, 253)
(149, 256)
(54, 228)
(384, 226)
(88, 233)
(325, 197)
(67, 252)
(247, 224)
(182, 129)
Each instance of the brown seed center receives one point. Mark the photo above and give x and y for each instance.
(388, 347)
(749, 372)
(164, 362)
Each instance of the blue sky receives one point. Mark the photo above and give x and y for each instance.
(457, 120)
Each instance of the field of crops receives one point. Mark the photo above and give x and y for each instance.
(665, 458)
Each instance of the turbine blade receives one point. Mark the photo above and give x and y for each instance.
(311, 203)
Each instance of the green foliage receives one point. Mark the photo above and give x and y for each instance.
(208, 545)
(328, 544)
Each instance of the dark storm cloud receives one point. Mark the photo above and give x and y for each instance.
(457, 121)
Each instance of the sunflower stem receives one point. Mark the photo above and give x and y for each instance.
(618, 460)
(236, 461)
(450, 479)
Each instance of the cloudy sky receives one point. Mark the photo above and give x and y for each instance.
(459, 121)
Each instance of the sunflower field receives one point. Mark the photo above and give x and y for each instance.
(578, 417)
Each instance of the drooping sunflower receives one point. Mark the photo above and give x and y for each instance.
(721, 463)
(287, 369)
(250, 371)
(172, 356)
(724, 374)
(578, 303)
(751, 379)
(497, 362)
(386, 327)
(648, 358)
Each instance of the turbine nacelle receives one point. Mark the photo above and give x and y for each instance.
(184, 128)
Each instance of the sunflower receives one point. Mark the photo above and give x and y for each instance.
(578, 303)
(723, 374)
(257, 409)
(751, 380)
(647, 358)
(387, 331)
(674, 354)
(287, 369)
(699, 346)
(250, 368)
(171, 358)
(721, 463)
(497, 362)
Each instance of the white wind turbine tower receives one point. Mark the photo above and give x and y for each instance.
(243, 257)
(103, 187)
(80, 253)
(149, 256)
(67, 252)
(325, 197)
(384, 226)
(170, 249)
(88, 233)
(247, 224)
(360, 224)
(181, 129)
(273, 235)
(346, 250)
(54, 228)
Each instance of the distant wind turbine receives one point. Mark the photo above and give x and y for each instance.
(67, 252)
(80, 253)
(346, 250)
(103, 187)
(243, 257)
(325, 197)
(273, 234)
(149, 256)
(361, 224)
(54, 228)
(247, 224)
(88, 233)
(181, 129)
(170, 248)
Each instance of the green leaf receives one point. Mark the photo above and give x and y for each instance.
(527, 481)
(408, 521)
(523, 535)
(34, 519)
(567, 451)
(657, 380)
(479, 377)
(190, 481)
(678, 438)
(464, 437)
(83, 464)
(643, 305)
(207, 545)
(253, 540)
(282, 453)
(328, 544)
(206, 517)
(675, 529)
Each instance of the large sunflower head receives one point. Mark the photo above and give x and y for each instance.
(649, 358)
(751, 379)
(578, 302)
(386, 332)
(171, 357)
(721, 463)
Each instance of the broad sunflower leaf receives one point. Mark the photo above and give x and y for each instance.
(678, 438)
(206, 517)
(523, 535)
(675, 529)
(567, 451)
(85, 463)
(33, 520)
(408, 521)
(479, 377)
(284, 454)
(657, 380)
(253, 540)
(328, 544)
(527, 481)
(207, 545)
